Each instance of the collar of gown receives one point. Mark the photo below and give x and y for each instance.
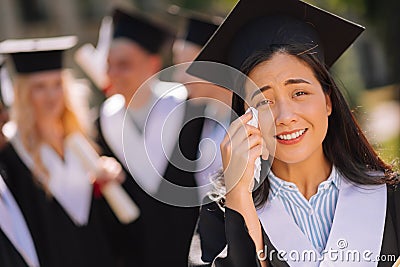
(13, 225)
(146, 155)
(69, 182)
(356, 233)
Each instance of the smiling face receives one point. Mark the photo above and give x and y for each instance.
(46, 94)
(293, 109)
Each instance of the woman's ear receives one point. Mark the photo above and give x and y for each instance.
(328, 104)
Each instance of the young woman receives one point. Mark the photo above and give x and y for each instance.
(327, 199)
(42, 167)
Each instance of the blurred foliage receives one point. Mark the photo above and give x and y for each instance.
(206, 5)
(341, 6)
(382, 18)
(389, 151)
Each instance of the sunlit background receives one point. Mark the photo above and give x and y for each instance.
(369, 72)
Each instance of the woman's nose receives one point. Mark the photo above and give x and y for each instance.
(284, 113)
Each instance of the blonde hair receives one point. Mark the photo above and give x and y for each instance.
(23, 115)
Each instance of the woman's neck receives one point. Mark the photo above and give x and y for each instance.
(307, 175)
(52, 133)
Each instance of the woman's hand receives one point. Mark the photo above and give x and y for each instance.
(108, 170)
(240, 148)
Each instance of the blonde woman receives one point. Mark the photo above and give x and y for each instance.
(42, 167)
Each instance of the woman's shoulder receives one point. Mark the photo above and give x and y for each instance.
(213, 205)
(212, 217)
(12, 165)
(209, 237)
(393, 200)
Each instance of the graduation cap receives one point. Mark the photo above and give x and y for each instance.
(199, 27)
(140, 29)
(255, 25)
(40, 54)
(199, 30)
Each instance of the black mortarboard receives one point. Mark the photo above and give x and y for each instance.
(199, 30)
(199, 26)
(40, 54)
(258, 24)
(147, 33)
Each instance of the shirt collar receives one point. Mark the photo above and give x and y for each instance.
(277, 184)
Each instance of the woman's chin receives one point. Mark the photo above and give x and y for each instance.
(290, 159)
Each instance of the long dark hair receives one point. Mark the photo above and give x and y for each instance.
(345, 145)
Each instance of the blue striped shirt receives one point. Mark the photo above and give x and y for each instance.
(314, 217)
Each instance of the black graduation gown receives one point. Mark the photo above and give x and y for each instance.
(216, 229)
(9, 256)
(162, 234)
(58, 241)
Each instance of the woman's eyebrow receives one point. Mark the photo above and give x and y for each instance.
(296, 81)
(259, 91)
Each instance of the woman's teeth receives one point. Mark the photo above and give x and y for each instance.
(292, 135)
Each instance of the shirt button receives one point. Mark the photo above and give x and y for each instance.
(326, 186)
(311, 211)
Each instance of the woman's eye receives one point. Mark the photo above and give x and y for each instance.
(300, 93)
(263, 102)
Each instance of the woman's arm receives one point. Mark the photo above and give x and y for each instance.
(221, 239)
(240, 148)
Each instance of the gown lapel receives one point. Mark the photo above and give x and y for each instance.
(358, 223)
(145, 155)
(357, 227)
(284, 234)
(13, 225)
(69, 182)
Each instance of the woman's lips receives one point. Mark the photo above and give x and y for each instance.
(292, 137)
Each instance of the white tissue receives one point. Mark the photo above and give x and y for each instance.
(254, 122)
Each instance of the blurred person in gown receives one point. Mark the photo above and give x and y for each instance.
(135, 133)
(217, 100)
(40, 166)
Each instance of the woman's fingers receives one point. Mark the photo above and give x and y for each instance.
(240, 148)
(240, 170)
(244, 119)
(265, 151)
(236, 125)
(244, 132)
(240, 135)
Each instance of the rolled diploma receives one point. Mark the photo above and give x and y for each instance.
(122, 205)
(89, 59)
